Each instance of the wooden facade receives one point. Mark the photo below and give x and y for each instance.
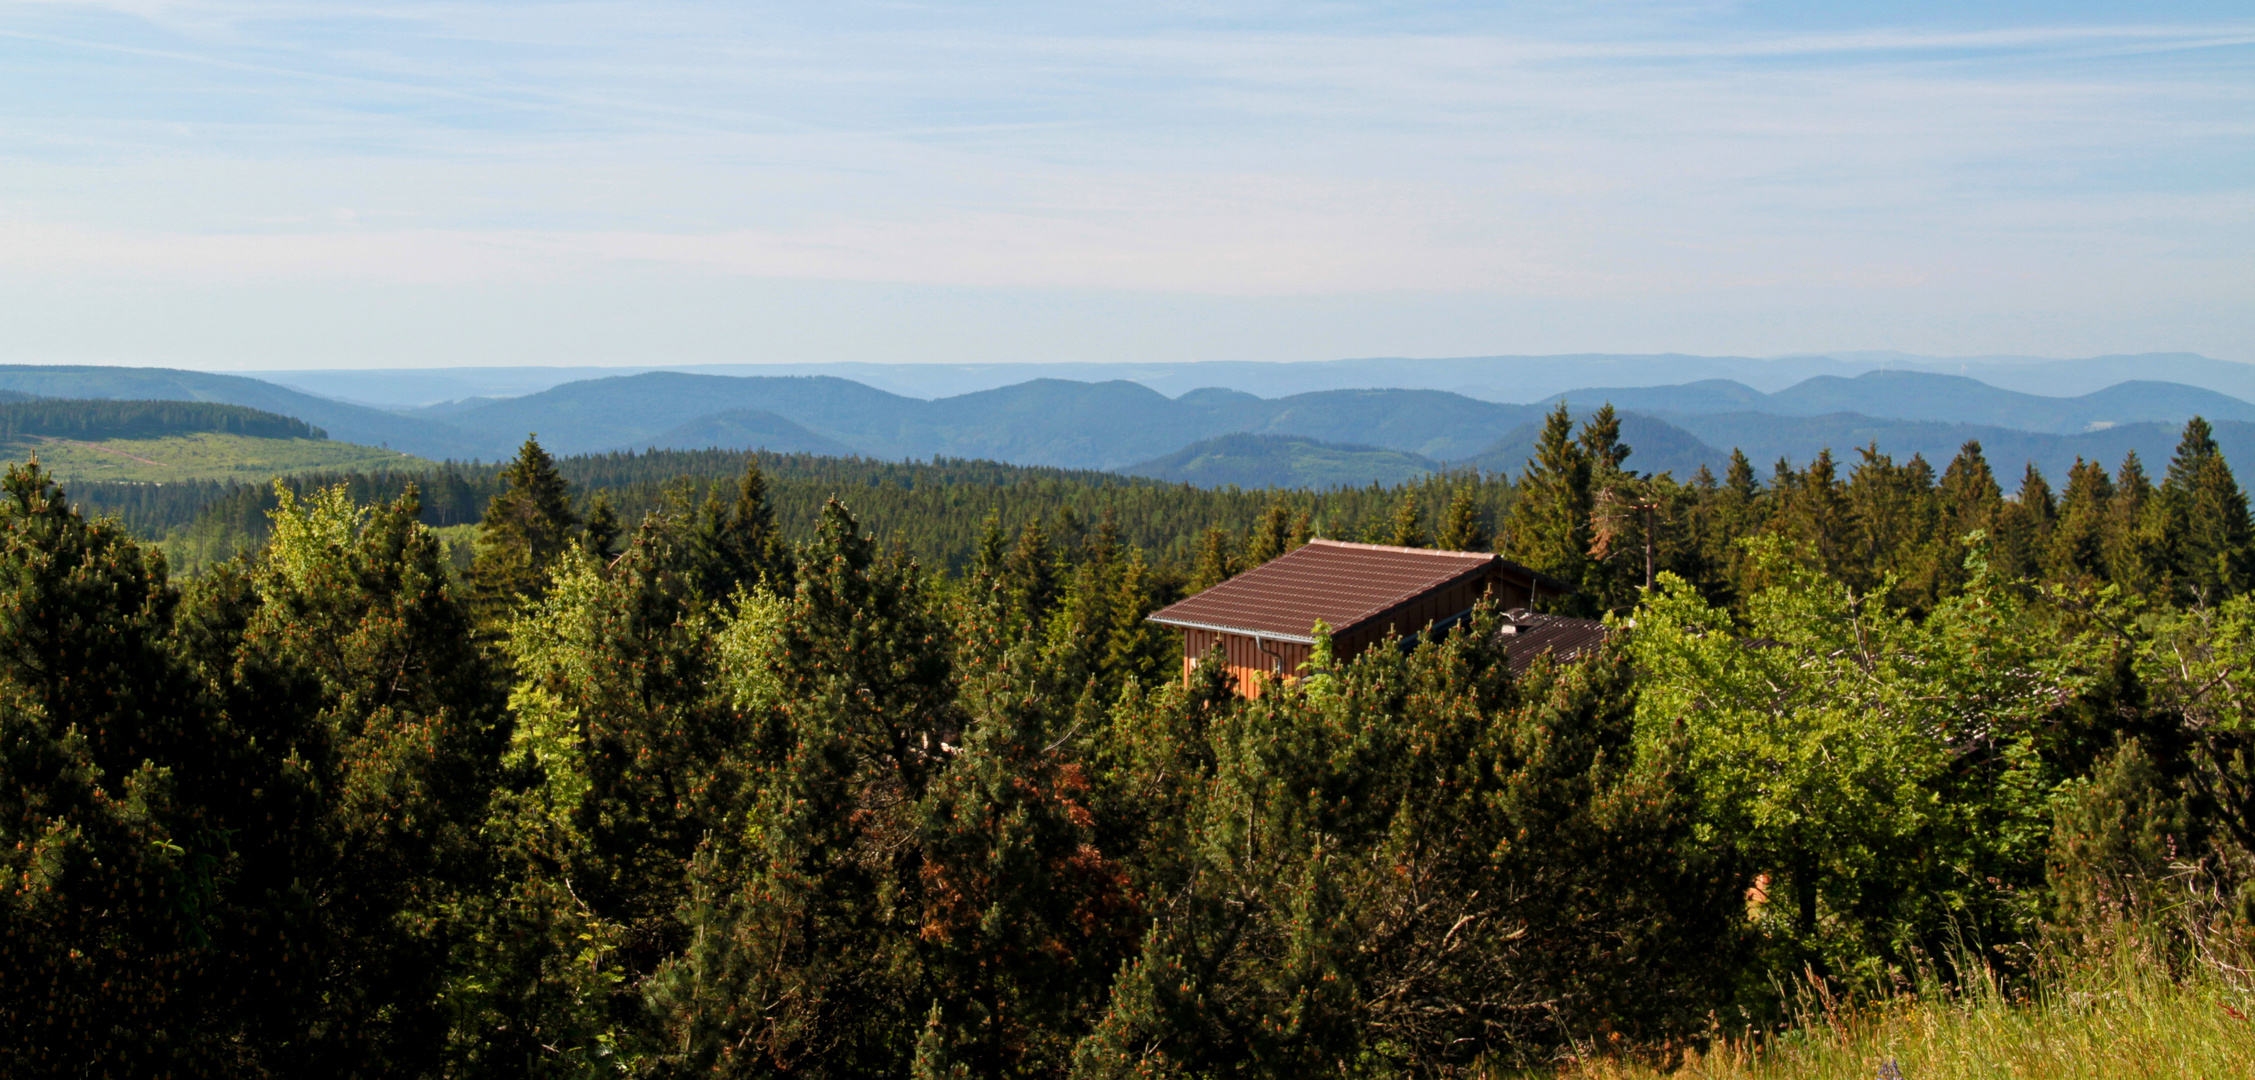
(1253, 661)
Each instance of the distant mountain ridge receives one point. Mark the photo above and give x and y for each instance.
(1043, 422)
(1506, 379)
(1924, 396)
(1330, 434)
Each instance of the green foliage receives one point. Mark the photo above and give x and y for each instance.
(760, 793)
(110, 419)
(1419, 865)
(1883, 775)
(523, 531)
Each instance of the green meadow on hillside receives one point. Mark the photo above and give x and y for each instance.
(202, 455)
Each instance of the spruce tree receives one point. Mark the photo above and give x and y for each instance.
(1549, 522)
(2077, 551)
(1030, 580)
(754, 544)
(1214, 564)
(1269, 537)
(1969, 490)
(525, 527)
(2024, 526)
(1736, 510)
(2135, 548)
(1407, 529)
(602, 528)
(1818, 519)
(2205, 520)
(1463, 528)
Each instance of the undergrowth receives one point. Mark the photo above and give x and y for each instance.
(2135, 1003)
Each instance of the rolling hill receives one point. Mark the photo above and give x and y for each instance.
(1043, 422)
(350, 423)
(170, 441)
(204, 456)
(746, 429)
(1923, 396)
(1282, 461)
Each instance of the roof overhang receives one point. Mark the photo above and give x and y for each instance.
(1264, 635)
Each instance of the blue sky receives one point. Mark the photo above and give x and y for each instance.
(255, 184)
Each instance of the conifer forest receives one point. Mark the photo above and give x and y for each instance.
(732, 764)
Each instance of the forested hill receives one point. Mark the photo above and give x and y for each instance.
(736, 789)
(937, 510)
(342, 420)
(113, 419)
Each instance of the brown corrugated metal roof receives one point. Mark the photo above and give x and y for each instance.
(1528, 635)
(1340, 583)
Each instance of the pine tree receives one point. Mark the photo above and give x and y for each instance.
(106, 885)
(380, 729)
(800, 950)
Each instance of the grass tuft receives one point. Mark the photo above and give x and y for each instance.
(2121, 1011)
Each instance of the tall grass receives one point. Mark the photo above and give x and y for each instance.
(2135, 1004)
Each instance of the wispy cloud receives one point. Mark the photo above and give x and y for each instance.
(1599, 155)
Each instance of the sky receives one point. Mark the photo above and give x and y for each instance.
(248, 184)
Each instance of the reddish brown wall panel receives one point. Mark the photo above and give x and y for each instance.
(1242, 654)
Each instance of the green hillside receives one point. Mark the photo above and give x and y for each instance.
(1283, 461)
(110, 419)
(1656, 446)
(748, 429)
(201, 456)
(343, 420)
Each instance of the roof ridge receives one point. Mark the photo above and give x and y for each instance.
(1328, 542)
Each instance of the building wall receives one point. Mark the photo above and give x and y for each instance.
(1421, 611)
(1248, 664)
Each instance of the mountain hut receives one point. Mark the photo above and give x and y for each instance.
(1264, 618)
